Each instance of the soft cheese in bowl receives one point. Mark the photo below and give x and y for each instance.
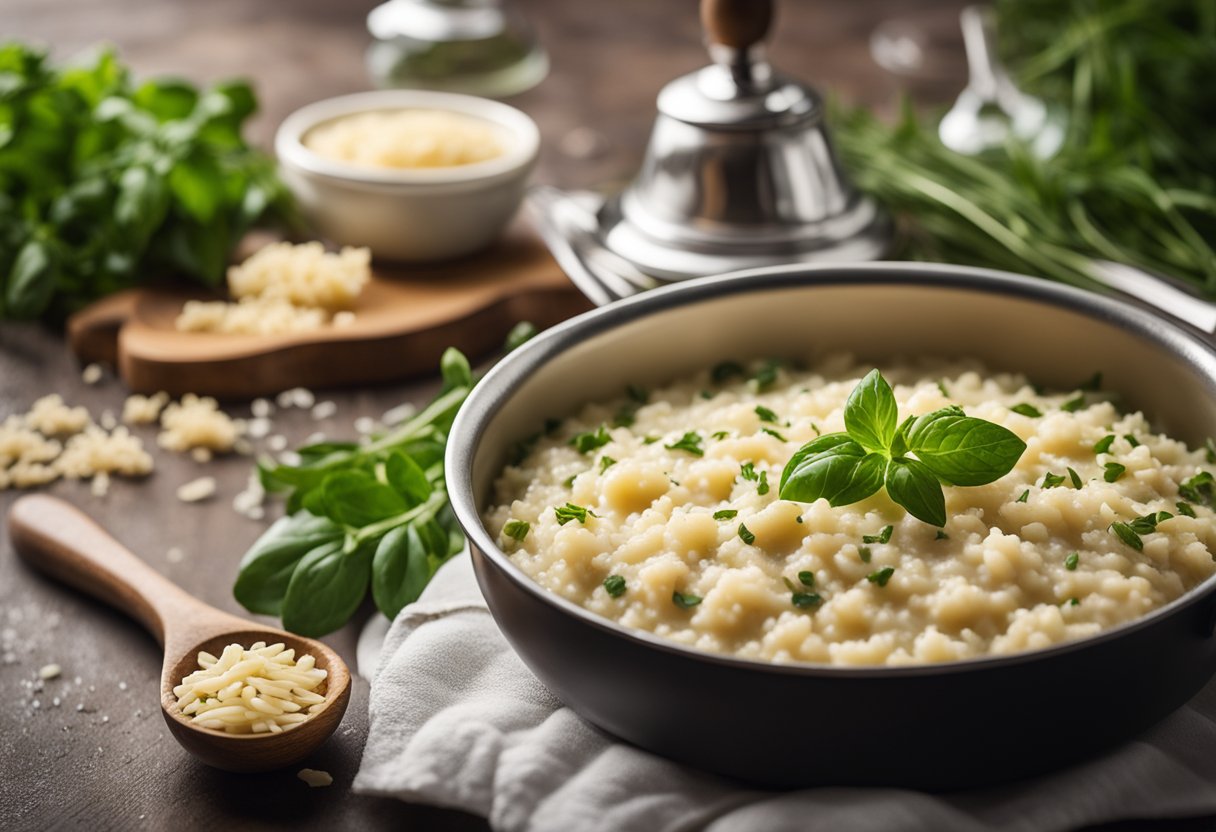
(412, 175)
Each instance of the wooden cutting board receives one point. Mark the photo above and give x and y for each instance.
(405, 318)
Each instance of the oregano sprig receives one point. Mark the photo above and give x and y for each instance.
(912, 459)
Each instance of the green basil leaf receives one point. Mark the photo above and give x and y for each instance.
(455, 370)
(914, 486)
(818, 445)
(196, 184)
(356, 498)
(266, 569)
(962, 450)
(31, 282)
(870, 414)
(843, 473)
(326, 588)
(408, 478)
(400, 570)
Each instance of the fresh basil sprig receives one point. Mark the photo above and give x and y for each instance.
(359, 515)
(912, 460)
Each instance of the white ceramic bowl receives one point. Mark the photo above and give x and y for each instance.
(408, 214)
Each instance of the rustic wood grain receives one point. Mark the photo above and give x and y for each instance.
(113, 765)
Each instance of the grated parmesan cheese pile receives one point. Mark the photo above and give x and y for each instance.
(407, 139)
(255, 691)
(284, 288)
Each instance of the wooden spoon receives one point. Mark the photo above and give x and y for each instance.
(56, 538)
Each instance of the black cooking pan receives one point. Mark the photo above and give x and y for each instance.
(939, 726)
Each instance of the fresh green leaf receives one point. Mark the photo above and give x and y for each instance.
(1185, 509)
(326, 588)
(1200, 488)
(1113, 471)
(745, 534)
(1102, 446)
(883, 536)
(1051, 480)
(355, 498)
(1075, 478)
(407, 477)
(606, 462)
(765, 414)
(455, 369)
(775, 434)
(570, 511)
(1027, 410)
(31, 282)
(911, 484)
(726, 514)
(1074, 404)
(266, 569)
(587, 442)
(1125, 533)
(870, 416)
(520, 334)
(834, 467)
(400, 570)
(1131, 440)
(882, 576)
(962, 450)
(1024, 496)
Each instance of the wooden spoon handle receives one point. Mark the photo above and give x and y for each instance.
(58, 539)
(736, 23)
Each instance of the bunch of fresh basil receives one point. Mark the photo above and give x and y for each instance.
(358, 514)
(104, 183)
(912, 460)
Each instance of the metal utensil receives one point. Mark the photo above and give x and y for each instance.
(991, 107)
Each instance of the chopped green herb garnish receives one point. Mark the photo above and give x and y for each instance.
(1075, 477)
(1185, 509)
(726, 514)
(1092, 384)
(1074, 404)
(1051, 480)
(625, 415)
(1209, 447)
(1124, 532)
(864, 553)
(521, 449)
(748, 472)
(1200, 488)
(1148, 523)
(707, 394)
(1070, 562)
(941, 386)
(1074, 602)
(806, 578)
(798, 519)
(1027, 410)
(1131, 440)
(881, 576)
(1025, 496)
(746, 535)
(587, 442)
(569, 483)
(815, 428)
(606, 462)
(1102, 446)
(762, 484)
(806, 600)
(941, 535)
(765, 414)
(614, 585)
(570, 512)
(650, 440)
(638, 394)
(683, 601)
(883, 536)
(726, 371)
(520, 334)
(690, 442)
(1113, 471)
(766, 376)
(775, 434)
(517, 529)
(719, 434)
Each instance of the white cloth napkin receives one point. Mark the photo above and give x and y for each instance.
(458, 721)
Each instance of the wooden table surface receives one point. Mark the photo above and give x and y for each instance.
(89, 749)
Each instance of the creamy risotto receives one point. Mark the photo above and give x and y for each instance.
(660, 511)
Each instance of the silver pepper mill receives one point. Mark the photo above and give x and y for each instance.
(740, 171)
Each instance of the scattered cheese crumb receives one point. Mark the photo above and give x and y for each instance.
(101, 484)
(365, 425)
(261, 408)
(259, 427)
(324, 410)
(107, 420)
(344, 318)
(21, 444)
(278, 442)
(51, 417)
(175, 554)
(196, 490)
(284, 288)
(196, 422)
(49, 671)
(91, 374)
(95, 451)
(144, 410)
(315, 778)
(202, 455)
